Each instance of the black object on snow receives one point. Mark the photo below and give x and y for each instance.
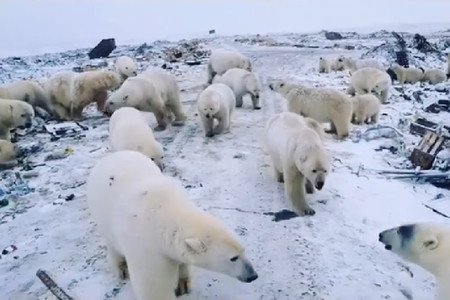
(330, 35)
(103, 49)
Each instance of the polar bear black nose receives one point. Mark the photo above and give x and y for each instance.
(252, 278)
(207, 116)
(319, 185)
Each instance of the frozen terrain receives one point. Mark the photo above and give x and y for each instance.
(332, 255)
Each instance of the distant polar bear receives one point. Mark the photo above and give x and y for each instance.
(321, 104)
(7, 151)
(355, 64)
(71, 92)
(222, 60)
(128, 130)
(405, 75)
(14, 114)
(27, 91)
(324, 65)
(371, 80)
(242, 82)
(216, 103)
(434, 76)
(366, 108)
(298, 155)
(153, 232)
(425, 244)
(126, 67)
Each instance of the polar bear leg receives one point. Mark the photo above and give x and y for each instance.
(224, 124)
(211, 73)
(61, 112)
(278, 174)
(118, 262)
(239, 101)
(208, 125)
(383, 95)
(100, 99)
(294, 184)
(5, 134)
(255, 101)
(342, 126)
(177, 111)
(374, 118)
(184, 281)
(332, 128)
(161, 119)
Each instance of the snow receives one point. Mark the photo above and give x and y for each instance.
(332, 255)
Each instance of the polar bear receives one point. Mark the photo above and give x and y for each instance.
(216, 103)
(128, 130)
(153, 232)
(222, 60)
(28, 91)
(298, 156)
(14, 114)
(321, 104)
(434, 76)
(425, 244)
(324, 65)
(338, 64)
(125, 66)
(405, 75)
(7, 151)
(370, 80)
(71, 92)
(366, 108)
(242, 82)
(355, 64)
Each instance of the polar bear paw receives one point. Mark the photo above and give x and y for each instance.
(183, 287)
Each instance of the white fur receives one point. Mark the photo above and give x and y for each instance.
(366, 108)
(7, 151)
(13, 114)
(242, 82)
(434, 76)
(407, 75)
(222, 60)
(128, 130)
(298, 155)
(371, 80)
(27, 91)
(321, 104)
(338, 64)
(126, 67)
(356, 64)
(324, 65)
(153, 232)
(216, 103)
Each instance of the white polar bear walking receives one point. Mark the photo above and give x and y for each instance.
(222, 60)
(434, 76)
(128, 130)
(216, 103)
(321, 104)
(125, 66)
(405, 75)
(14, 114)
(324, 65)
(298, 155)
(366, 108)
(153, 232)
(371, 80)
(425, 244)
(242, 82)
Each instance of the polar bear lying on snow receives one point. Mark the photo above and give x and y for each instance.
(14, 114)
(425, 244)
(71, 92)
(128, 130)
(370, 81)
(298, 155)
(153, 232)
(126, 67)
(321, 104)
(242, 82)
(216, 104)
(222, 60)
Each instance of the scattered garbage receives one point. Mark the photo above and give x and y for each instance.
(377, 132)
(103, 49)
(12, 183)
(59, 154)
(421, 44)
(282, 215)
(331, 35)
(424, 154)
(65, 129)
(191, 52)
(52, 286)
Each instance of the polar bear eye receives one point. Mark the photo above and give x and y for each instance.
(23, 115)
(314, 171)
(126, 68)
(234, 258)
(152, 159)
(281, 84)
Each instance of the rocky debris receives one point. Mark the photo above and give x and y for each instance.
(191, 51)
(260, 41)
(212, 31)
(103, 49)
(331, 35)
(421, 44)
(282, 215)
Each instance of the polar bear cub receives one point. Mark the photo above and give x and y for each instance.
(371, 80)
(126, 67)
(222, 60)
(434, 76)
(216, 103)
(425, 244)
(242, 82)
(366, 108)
(128, 130)
(298, 155)
(405, 75)
(153, 232)
(14, 114)
(321, 104)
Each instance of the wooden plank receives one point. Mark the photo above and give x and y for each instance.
(437, 146)
(52, 286)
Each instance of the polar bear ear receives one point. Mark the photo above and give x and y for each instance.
(195, 245)
(431, 243)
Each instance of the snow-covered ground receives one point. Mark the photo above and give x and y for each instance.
(332, 255)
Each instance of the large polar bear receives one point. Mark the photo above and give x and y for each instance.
(153, 232)
(425, 244)
(371, 80)
(321, 104)
(222, 60)
(71, 92)
(27, 91)
(366, 108)
(242, 82)
(216, 104)
(7, 151)
(298, 155)
(126, 67)
(434, 76)
(405, 75)
(14, 114)
(354, 64)
(128, 130)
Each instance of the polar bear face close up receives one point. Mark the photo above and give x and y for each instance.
(281, 87)
(210, 107)
(314, 165)
(22, 115)
(252, 85)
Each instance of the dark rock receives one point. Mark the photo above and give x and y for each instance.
(330, 35)
(282, 215)
(212, 31)
(421, 44)
(4, 202)
(103, 49)
(70, 197)
(402, 58)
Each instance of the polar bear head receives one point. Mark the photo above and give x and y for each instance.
(246, 64)
(21, 114)
(252, 85)
(126, 67)
(153, 150)
(425, 244)
(208, 104)
(282, 87)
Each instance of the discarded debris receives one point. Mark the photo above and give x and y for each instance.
(378, 132)
(282, 215)
(212, 31)
(4, 202)
(425, 153)
(331, 35)
(421, 125)
(66, 129)
(103, 49)
(59, 154)
(52, 286)
(421, 44)
(191, 51)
